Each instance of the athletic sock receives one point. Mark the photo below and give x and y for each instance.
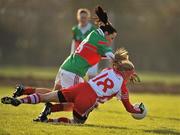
(29, 90)
(61, 120)
(62, 107)
(31, 99)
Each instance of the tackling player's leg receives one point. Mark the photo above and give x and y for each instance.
(22, 90)
(43, 115)
(74, 95)
(64, 79)
(35, 99)
(81, 93)
(10, 100)
(77, 119)
(32, 99)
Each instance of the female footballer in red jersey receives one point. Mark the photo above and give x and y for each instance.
(109, 83)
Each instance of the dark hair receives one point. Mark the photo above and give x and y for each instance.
(103, 21)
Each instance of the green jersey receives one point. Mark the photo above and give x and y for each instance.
(89, 53)
(79, 34)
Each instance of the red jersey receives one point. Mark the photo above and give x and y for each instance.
(110, 83)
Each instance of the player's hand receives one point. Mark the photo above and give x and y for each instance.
(141, 107)
(135, 78)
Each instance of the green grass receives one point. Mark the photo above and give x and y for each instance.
(110, 119)
(37, 72)
(50, 73)
(167, 78)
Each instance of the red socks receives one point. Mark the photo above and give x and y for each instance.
(61, 120)
(62, 107)
(29, 90)
(31, 99)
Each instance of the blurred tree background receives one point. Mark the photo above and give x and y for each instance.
(38, 32)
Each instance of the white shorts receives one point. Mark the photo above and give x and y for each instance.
(93, 70)
(66, 79)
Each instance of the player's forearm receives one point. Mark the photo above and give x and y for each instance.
(129, 107)
(73, 46)
(109, 55)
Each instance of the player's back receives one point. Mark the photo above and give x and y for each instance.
(107, 84)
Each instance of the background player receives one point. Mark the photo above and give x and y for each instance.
(80, 32)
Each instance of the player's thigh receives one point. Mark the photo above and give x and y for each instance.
(57, 83)
(43, 90)
(57, 86)
(83, 106)
(69, 79)
(71, 93)
(81, 111)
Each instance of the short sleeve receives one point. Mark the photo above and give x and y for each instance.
(93, 27)
(104, 49)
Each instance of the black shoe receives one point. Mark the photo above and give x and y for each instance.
(18, 91)
(41, 118)
(43, 115)
(10, 100)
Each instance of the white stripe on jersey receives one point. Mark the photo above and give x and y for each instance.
(107, 83)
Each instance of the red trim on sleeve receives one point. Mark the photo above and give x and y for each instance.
(103, 43)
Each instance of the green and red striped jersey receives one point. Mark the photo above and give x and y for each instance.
(89, 53)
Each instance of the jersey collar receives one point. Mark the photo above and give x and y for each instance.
(85, 28)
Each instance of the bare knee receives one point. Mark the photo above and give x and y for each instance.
(49, 97)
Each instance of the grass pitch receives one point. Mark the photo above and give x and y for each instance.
(50, 73)
(109, 119)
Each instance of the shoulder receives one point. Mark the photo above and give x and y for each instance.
(93, 27)
(95, 34)
(74, 28)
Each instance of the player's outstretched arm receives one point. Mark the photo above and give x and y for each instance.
(125, 100)
(73, 46)
(129, 107)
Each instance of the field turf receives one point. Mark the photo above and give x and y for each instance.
(50, 73)
(109, 119)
